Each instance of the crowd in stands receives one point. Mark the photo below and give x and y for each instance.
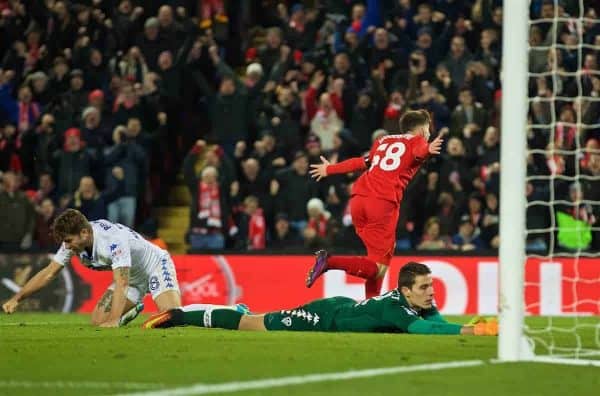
(104, 102)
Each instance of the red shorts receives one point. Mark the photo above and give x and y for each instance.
(375, 223)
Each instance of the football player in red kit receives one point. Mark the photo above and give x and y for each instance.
(376, 196)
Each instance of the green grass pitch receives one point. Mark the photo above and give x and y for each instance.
(55, 354)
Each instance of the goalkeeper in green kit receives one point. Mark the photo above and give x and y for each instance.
(407, 309)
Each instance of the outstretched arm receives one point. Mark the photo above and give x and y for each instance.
(324, 169)
(119, 298)
(489, 328)
(39, 281)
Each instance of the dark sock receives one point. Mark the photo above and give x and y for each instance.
(357, 266)
(220, 318)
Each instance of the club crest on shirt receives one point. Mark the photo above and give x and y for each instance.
(153, 283)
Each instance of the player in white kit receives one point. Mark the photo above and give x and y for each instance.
(138, 267)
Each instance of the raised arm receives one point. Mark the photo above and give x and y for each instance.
(324, 169)
(39, 281)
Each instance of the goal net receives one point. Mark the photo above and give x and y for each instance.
(559, 284)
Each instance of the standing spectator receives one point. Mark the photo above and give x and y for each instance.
(22, 112)
(252, 226)
(131, 156)
(151, 44)
(292, 188)
(209, 220)
(93, 203)
(457, 60)
(72, 162)
(467, 112)
(43, 225)
(17, 213)
(491, 221)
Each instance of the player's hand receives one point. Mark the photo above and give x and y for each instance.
(110, 323)
(487, 328)
(319, 171)
(10, 306)
(435, 147)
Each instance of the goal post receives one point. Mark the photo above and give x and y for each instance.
(513, 148)
(550, 115)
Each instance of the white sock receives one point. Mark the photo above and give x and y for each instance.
(205, 307)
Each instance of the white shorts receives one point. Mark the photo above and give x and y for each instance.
(162, 278)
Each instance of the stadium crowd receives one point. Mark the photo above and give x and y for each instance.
(103, 103)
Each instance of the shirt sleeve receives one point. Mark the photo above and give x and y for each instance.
(63, 255)
(420, 148)
(347, 166)
(120, 254)
(423, 326)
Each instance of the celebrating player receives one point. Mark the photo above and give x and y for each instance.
(407, 309)
(376, 196)
(138, 267)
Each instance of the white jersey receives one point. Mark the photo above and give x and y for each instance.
(116, 246)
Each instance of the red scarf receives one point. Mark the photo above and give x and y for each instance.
(565, 136)
(319, 225)
(256, 230)
(209, 205)
(28, 113)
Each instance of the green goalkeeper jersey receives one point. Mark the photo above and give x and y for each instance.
(389, 313)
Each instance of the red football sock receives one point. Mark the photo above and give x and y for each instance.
(373, 287)
(357, 266)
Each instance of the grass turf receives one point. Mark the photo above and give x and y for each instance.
(39, 350)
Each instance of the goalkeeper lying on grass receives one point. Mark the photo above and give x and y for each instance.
(407, 309)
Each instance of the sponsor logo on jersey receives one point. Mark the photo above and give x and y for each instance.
(287, 321)
(154, 283)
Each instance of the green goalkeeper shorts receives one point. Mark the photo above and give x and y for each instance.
(317, 315)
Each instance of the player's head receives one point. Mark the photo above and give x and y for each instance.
(72, 228)
(416, 122)
(416, 284)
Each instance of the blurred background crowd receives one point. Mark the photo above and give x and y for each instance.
(105, 104)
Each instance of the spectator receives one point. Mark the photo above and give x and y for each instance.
(252, 226)
(22, 111)
(466, 239)
(129, 155)
(17, 213)
(291, 189)
(432, 239)
(46, 190)
(208, 223)
(72, 162)
(457, 60)
(43, 225)
(283, 237)
(491, 221)
(317, 233)
(93, 203)
(467, 112)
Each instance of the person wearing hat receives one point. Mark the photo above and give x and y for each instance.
(38, 82)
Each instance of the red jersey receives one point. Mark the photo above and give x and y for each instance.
(391, 164)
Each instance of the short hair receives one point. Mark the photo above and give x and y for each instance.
(409, 272)
(70, 222)
(412, 119)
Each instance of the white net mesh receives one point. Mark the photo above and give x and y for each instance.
(563, 180)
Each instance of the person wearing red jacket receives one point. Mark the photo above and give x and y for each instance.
(375, 199)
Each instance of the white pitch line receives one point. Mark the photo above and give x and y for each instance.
(37, 323)
(77, 384)
(236, 386)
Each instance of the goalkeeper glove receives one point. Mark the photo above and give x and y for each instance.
(486, 328)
